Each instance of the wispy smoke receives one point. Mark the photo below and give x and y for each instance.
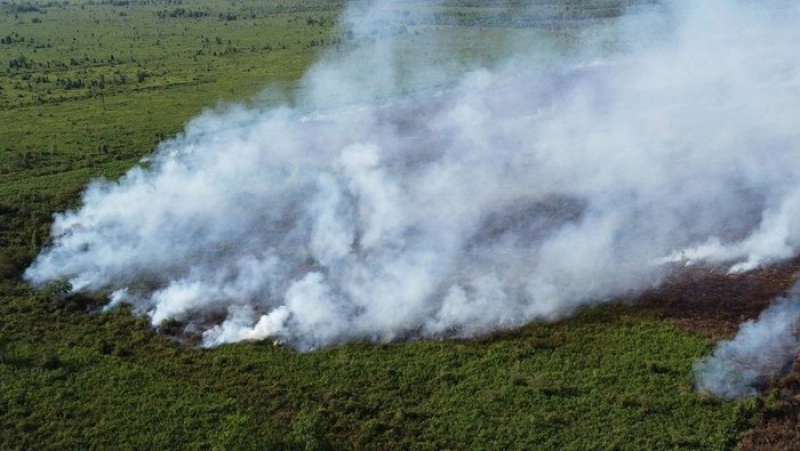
(762, 349)
(521, 192)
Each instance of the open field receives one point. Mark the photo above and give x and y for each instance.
(88, 88)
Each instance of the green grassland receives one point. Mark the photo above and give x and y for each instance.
(87, 88)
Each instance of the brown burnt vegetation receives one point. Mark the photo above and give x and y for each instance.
(711, 302)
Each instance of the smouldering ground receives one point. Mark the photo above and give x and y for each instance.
(713, 303)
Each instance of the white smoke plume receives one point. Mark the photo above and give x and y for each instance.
(521, 192)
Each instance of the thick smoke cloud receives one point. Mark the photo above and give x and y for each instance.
(521, 192)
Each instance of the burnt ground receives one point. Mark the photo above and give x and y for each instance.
(777, 424)
(713, 303)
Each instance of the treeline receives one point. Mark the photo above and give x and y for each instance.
(298, 7)
(29, 7)
(525, 20)
(567, 4)
(67, 83)
(287, 7)
(15, 38)
(9, 39)
(22, 62)
(228, 16)
(22, 8)
(181, 13)
(134, 2)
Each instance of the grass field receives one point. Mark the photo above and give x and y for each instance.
(87, 88)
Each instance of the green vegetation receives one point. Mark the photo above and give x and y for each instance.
(609, 378)
(89, 87)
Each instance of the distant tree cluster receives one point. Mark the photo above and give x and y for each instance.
(487, 3)
(181, 13)
(130, 2)
(68, 84)
(597, 10)
(311, 21)
(228, 17)
(15, 38)
(20, 62)
(307, 6)
(8, 40)
(135, 2)
(21, 8)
